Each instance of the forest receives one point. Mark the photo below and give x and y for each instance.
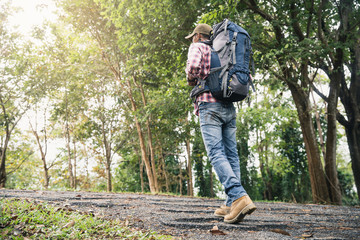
(98, 100)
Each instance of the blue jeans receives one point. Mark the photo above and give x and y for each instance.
(218, 128)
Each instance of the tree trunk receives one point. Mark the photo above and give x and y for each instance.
(3, 148)
(70, 167)
(142, 142)
(46, 170)
(164, 170)
(189, 168)
(330, 159)
(212, 194)
(150, 142)
(350, 98)
(2, 167)
(107, 148)
(318, 124)
(180, 178)
(75, 165)
(319, 188)
(141, 168)
(141, 163)
(43, 159)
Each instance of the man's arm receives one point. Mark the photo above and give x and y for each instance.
(193, 64)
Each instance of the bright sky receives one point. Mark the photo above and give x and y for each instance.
(34, 13)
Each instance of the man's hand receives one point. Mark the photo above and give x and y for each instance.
(191, 82)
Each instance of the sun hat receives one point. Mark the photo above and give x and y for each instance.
(201, 28)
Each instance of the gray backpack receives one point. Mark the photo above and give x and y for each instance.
(229, 78)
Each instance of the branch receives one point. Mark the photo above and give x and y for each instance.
(255, 8)
(321, 30)
(295, 23)
(320, 94)
(339, 117)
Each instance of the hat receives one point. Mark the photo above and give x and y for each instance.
(201, 28)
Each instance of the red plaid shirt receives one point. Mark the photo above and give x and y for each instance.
(198, 66)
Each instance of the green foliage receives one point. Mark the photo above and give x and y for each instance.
(295, 184)
(127, 176)
(347, 186)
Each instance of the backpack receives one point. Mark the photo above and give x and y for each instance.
(229, 77)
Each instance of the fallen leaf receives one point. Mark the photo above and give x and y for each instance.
(306, 210)
(214, 221)
(215, 231)
(69, 224)
(283, 232)
(307, 235)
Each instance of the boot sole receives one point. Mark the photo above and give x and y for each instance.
(249, 209)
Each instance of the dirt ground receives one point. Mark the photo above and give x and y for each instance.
(192, 218)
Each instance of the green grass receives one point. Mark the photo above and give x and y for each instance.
(24, 219)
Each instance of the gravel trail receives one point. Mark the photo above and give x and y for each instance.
(192, 218)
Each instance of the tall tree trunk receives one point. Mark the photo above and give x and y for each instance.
(142, 142)
(141, 163)
(330, 159)
(75, 164)
(189, 166)
(162, 159)
(43, 156)
(212, 193)
(150, 142)
(318, 124)
(107, 148)
(3, 148)
(2, 165)
(319, 188)
(180, 178)
(350, 98)
(189, 169)
(70, 166)
(68, 140)
(141, 168)
(269, 185)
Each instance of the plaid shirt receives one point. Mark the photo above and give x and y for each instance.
(198, 66)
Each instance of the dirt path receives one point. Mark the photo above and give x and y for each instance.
(192, 218)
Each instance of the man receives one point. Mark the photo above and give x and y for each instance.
(218, 128)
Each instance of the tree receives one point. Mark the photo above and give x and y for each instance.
(17, 88)
(42, 142)
(342, 51)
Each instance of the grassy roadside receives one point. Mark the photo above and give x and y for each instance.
(26, 219)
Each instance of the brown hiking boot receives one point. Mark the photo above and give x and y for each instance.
(239, 209)
(222, 211)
